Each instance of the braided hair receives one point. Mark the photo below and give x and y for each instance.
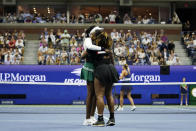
(102, 39)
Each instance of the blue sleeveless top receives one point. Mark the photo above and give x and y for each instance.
(126, 79)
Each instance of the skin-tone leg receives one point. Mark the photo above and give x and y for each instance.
(110, 99)
(89, 99)
(93, 104)
(121, 98)
(181, 101)
(130, 98)
(100, 92)
(186, 99)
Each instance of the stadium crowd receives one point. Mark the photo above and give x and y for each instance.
(112, 18)
(133, 48)
(189, 42)
(12, 47)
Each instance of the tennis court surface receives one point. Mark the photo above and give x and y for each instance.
(69, 117)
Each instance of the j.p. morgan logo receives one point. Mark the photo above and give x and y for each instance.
(21, 77)
(143, 78)
(133, 78)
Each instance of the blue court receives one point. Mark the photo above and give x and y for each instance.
(65, 118)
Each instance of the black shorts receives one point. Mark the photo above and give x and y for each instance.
(126, 88)
(183, 91)
(106, 74)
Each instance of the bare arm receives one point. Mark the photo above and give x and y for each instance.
(123, 74)
(84, 54)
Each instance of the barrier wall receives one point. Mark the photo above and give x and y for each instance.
(58, 94)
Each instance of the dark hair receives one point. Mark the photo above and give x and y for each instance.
(126, 66)
(103, 40)
(89, 30)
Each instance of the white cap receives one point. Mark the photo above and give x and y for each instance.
(95, 29)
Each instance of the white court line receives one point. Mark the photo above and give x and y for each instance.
(80, 84)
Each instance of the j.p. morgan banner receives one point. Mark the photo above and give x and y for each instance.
(61, 94)
(71, 74)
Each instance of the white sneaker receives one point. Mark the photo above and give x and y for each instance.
(120, 109)
(133, 108)
(87, 122)
(93, 120)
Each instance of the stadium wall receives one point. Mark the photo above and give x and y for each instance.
(60, 94)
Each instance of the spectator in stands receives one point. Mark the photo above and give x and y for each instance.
(58, 38)
(1, 41)
(51, 38)
(187, 26)
(162, 61)
(20, 18)
(141, 56)
(78, 36)
(7, 61)
(50, 60)
(65, 39)
(155, 61)
(73, 42)
(175, 19)
(122, 61)
(126, 16)
(145, 20)
(1, 56)
(165, 54)
(145, 42)
(121, 34)
(21, 34)
(106, 20)
(40, 58)
(139, 20)
(112, 17)
(115, 37)
(118, 19)
(127, 21)
(171, 46)
(43, 51)
(17, 59)
(12, 43)
(63, 18)
(114, 33)
(132, 49)
(177, 62)
(64, 57)
(20, 46)
(129, 36)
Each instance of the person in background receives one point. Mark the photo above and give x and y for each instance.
(184, 92)
(125, 75)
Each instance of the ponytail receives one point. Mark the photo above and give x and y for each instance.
(127, 68)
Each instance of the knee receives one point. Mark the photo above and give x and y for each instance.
(99, 97)
(121, 96)
(129, 96)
